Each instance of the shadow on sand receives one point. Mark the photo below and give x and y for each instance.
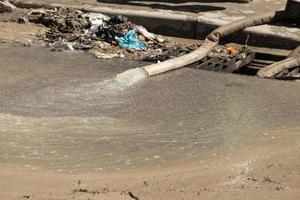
(166, 5)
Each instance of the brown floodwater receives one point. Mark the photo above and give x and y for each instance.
(62, 111)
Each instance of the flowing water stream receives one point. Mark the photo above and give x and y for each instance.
(66, 112)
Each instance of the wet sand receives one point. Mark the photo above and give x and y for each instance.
(268, 171)
(189, 134)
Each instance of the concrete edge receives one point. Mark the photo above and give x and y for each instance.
(180, 25)
(261, 36)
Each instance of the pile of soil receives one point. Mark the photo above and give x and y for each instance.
(64, 24)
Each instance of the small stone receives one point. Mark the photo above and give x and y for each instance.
(22, 20)
(27, 43)
(142, 38)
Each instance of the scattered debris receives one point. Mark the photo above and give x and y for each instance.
(27, 43)
(252, 179)
(133, 196)
(145, 183)
(105, 190)
(270, 166)
(269, 180)
(61, 46)
(82, 190)
(280, 188)
(107, 56)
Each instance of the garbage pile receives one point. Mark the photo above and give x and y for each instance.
(105, 37)
(64, 26)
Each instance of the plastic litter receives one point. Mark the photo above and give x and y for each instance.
(118, 19)
(62, 46)
(97, 20)
(130, 41)
(105, 55)
(116, 26)
(149, 36)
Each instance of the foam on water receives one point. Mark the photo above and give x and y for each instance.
(131, 77)
(74, 98)
(122, 81)
(111, 86)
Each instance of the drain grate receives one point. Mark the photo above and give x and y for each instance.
(244, 62)
(260, 61)
(227, 62)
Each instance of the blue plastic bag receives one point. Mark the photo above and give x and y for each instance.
(130, 41)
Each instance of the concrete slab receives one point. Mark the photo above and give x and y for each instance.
(284, 35)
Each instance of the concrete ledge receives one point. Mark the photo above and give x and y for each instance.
(193, 26)
(264, 35)
(177, 25)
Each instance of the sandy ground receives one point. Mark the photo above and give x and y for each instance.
(268, 171)
(20, 32)
(11, 31)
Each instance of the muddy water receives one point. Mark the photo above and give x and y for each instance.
(61, 111)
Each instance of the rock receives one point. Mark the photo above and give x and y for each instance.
(5, 6)
(22, 20)
(142, 38)
(27, 43)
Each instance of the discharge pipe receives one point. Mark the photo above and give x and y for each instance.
(211, 41)
(292, 11)
(293, 60)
